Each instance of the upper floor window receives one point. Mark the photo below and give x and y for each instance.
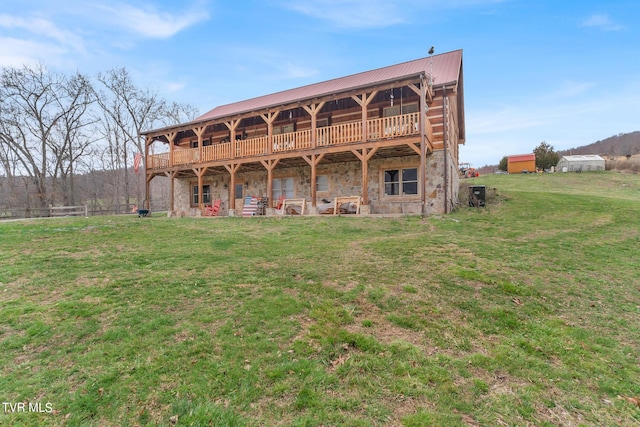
(397, 110)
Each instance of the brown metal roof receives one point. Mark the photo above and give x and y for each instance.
(522, 158)
(446, 68)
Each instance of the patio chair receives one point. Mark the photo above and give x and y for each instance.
(214, 209)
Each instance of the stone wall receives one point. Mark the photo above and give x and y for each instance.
(344, 179)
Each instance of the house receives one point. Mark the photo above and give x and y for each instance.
(580, 163)
(389, 136)
(521, 163)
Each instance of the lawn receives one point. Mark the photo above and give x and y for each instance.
(521, 313)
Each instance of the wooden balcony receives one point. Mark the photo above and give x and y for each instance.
(340, 134)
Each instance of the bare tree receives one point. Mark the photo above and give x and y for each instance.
(70, 131)
(177, 113)
(129, 111)
(41, 113)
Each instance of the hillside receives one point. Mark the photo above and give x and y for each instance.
(619, 145)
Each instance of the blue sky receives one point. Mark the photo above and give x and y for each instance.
(565, 72)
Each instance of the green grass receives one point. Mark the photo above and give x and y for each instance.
(522, 313)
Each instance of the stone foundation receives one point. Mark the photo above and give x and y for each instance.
(344, 179)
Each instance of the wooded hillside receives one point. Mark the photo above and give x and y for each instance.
(622, 144)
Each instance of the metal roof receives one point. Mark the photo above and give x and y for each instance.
(522, 157)
(446, 70)
(583, 158)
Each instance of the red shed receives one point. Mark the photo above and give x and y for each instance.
(521, 163)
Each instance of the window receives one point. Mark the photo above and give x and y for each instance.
(282, 187)
(282, 129)
(322, 123)
(206, 195)
(410, 108)
(397, 110)
(401, 182)
(194, 144)
(322, 183)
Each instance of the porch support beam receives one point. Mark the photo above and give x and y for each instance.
(147, 191)
(200, 173)
(363, 100)
(313, 161)
(313, 110)
(269, 165)
(422, 176)
(171, 137)
(147, 188)
(232, 168)
(269, 117)
(171, 175)
(364, 155)
(199, 131)
(232, 125)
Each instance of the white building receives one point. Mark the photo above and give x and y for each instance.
(580, 163)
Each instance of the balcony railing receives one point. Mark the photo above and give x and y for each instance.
(344, 133)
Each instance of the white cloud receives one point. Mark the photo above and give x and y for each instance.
(43, 27)
(173, 86)
(603, 22)
(361, 14)
(293, 71)
(16, 52)
(351, 13)
(151, 23)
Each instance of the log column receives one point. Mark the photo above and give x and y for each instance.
(171, 136)
(364, 155)
(422, 176)
(171, 175)
(269, 165)
(269, 118)
(313, 111)
(200, 173)
(364, 100)
(313, 161)
(232, 125)
(199, 131)
(232, 168)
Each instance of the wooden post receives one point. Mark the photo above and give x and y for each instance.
(313, 110)
(422, 175)
(171, 176)
(232, 125)
(171, 136)
(199, 131)
(269, 166)
(232, 168)
(147, 188)
(313, 161)
(147, 191)
(269, 118)
(364, 157)
(200, 173)
(364, 100)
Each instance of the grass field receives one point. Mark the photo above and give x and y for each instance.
(525, 312)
